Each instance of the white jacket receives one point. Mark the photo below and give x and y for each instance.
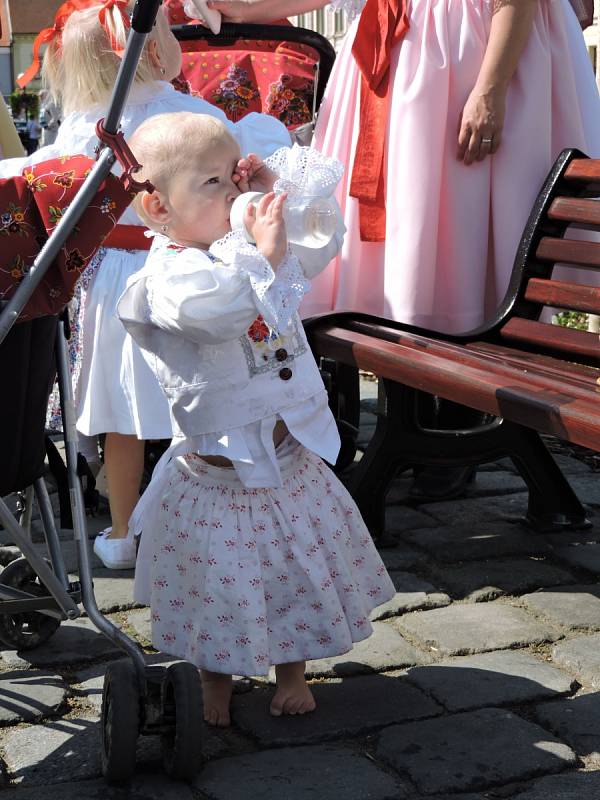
(222, 333)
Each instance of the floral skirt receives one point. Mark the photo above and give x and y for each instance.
(239, 579)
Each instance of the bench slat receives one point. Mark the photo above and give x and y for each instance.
(583, 169)
(478, 386)
(561, 294)
(544, 371)
(578, 344)
(575, 209)
(584, 254)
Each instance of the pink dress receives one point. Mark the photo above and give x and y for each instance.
(452, 230)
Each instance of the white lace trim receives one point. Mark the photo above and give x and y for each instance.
(305, 171)
(278, 295)
(351, 7)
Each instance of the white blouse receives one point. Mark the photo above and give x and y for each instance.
(256, 133)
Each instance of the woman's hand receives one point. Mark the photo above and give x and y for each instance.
(238, 10)
(252, 175)
(264, 222)
(481, 123)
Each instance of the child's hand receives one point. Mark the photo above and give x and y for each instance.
(264, 221)
(252, 175)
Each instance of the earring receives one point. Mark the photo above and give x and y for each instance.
(162, 70)
(164, 228)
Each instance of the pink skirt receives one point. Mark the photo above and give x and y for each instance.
(453, 230)
(239, 579)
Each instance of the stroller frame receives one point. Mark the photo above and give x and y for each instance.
(137, 698)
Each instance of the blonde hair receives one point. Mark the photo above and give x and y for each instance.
(167, 144)
(80, 67)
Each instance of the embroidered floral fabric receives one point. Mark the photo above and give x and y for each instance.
(31, 207)
(276, 78)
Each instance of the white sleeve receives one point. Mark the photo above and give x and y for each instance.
(202, 300)
(306, 171)
(277, 295)
(260, 134)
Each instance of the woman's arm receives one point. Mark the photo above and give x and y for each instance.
(482, 119)
(263, 10)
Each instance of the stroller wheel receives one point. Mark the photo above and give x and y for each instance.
(31, 629)
(182, 704)
(120, 721)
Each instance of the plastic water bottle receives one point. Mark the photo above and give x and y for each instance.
(309, 221)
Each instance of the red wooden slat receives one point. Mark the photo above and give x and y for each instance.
(583, 169)
(584, 254)
(561, 294)
(553, 337)
(575, 209)
(576, 379)
(550, 410)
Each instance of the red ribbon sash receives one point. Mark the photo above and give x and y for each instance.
(382, 25)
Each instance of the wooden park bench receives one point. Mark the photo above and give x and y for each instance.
(533, 377)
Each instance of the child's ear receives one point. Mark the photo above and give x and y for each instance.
(155, 207)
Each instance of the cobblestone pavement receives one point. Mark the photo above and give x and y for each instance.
(481, 680)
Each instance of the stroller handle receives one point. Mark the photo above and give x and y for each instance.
(144, 14)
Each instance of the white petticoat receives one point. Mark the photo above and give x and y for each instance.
(117, 391)
(239, 579)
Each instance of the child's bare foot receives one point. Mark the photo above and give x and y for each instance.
(216, 691)
(293, 695)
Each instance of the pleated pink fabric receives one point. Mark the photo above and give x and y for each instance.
(453, 230)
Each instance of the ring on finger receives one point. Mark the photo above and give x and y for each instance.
(487, 140)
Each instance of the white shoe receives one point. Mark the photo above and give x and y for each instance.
(115, 553)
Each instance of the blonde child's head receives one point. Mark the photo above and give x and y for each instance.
(190, 159)
(81, 63)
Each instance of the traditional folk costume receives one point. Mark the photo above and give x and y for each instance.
(268, 562)
(439, 237)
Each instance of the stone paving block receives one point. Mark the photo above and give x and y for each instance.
(401, 557)
(325, 772)
(584, 556)
(471, 512)
(346, 708)
(488, 483)
(587, 488)
(154, 787)
(25, 695)
(385, 649)
(404, 518)
(472, 751)
(113, 589)
(139, 620)
(571, 786)
(476, 541)
(581, 656)
(53, 752)
(73, 642)
(480, 581)
(571, 606)
(412, 594)
(506, 677)
(575, 720)
(474, 628)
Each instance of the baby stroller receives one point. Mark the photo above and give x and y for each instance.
(57, 215)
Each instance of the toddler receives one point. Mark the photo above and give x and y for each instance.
(252, 552)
